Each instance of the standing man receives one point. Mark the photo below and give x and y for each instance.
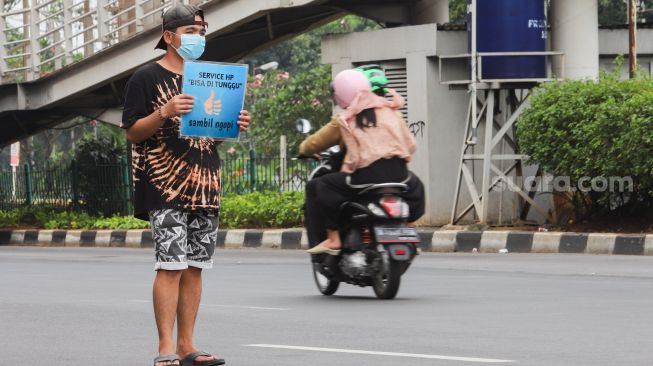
(176, 184)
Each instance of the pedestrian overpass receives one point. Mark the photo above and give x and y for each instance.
(64, 58)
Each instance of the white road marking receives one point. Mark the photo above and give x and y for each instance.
(226, 306)
(245, 307)
(391, 354)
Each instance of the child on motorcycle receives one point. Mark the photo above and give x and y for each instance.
(378, 147)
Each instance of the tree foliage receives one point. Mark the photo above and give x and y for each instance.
(56, 146)
(458, 11)
(615, 12)
(277, 99)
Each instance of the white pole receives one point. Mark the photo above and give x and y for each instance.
(474, 46)
(474, 69)
(283, 154)
(13, 182)
(474, 97)
(14, 160)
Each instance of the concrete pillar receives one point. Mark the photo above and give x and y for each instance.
(575, 31)
(432, 11)
(436, 116)
(419, 76)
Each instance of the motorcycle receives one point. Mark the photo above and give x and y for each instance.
(378, 246)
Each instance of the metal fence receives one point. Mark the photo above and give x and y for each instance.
(96, 189)
(243, 174)
(106, 189)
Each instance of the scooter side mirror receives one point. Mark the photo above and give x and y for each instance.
(303, 126)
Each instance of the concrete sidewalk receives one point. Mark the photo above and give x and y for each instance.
(433, 240)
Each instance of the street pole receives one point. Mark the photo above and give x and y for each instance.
(283, 157)
(632, 21)
(13, 183)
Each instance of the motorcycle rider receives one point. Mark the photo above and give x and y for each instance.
(378, 148)
(329, 135)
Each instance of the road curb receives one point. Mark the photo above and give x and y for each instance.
(443, 241)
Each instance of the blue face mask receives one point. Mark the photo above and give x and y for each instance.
(192, 46)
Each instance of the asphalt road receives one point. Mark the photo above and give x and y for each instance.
(92, 307)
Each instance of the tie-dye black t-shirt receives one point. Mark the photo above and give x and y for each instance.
(169, 171)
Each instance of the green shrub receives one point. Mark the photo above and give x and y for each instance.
(68, 220)
(52, 218)
(254, 210)
(9, 219)
(593, 129)
(34, 216)
(262, 210)
(120, 222)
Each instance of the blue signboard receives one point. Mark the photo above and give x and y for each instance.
(219, 92)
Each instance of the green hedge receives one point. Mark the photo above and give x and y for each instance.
(254, 210)
(262, 210)
(584, 128)
(44, 217)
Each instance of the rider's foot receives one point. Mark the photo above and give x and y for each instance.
(331, 244)
(326, 247)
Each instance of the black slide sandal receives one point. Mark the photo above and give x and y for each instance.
(190, 360)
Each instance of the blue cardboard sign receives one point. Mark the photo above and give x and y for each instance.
(219, 92)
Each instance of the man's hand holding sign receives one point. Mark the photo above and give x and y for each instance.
(178, 105)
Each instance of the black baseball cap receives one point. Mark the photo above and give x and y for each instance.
(179, 16)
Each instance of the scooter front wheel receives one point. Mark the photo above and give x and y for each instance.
(325, 285)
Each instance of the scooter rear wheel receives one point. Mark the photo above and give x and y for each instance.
(325, 285)
(386, 283)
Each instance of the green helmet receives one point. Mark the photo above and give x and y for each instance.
(375, 74)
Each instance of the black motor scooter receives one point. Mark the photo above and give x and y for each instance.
(378, 246)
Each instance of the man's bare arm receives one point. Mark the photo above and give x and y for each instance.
(146, 127)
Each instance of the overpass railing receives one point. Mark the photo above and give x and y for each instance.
(38, 37)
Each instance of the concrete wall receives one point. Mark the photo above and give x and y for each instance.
(614, 42)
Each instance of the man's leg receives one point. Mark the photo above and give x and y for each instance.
(165, 296)
(169, 235)
(190, 293)
(202, 237)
